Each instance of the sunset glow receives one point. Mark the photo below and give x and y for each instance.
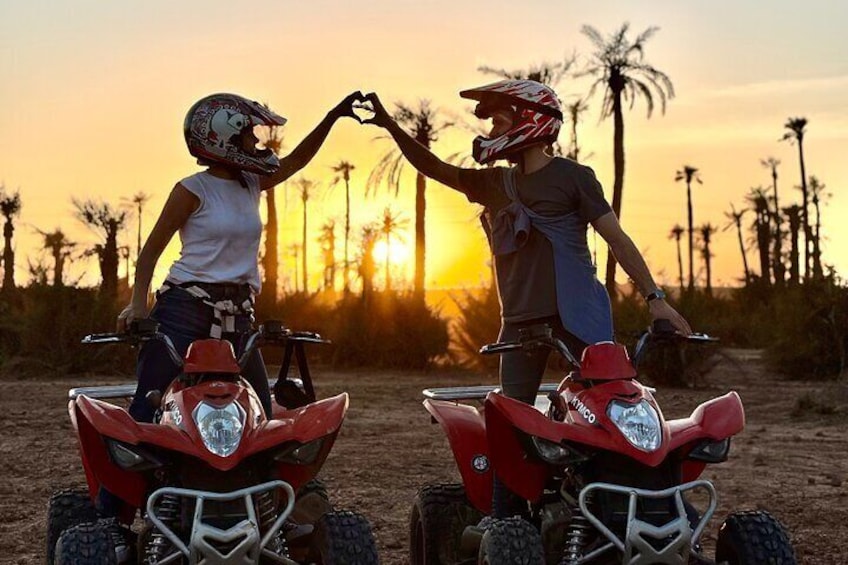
(95, 94)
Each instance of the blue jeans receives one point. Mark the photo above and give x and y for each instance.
(184, 319)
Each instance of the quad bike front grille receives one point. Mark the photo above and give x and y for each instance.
(244, 542)
(645, 541)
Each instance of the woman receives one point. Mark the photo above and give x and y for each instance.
(209, 290)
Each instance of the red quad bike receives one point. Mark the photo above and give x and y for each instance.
(213, 481)
(607, 479)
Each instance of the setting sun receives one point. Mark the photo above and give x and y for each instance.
(400, 258)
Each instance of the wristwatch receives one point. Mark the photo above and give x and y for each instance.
(658, 294)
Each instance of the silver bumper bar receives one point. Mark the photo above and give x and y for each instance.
(248, 546)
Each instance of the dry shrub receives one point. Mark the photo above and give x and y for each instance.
(390, 329)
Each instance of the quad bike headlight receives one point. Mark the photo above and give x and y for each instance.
(220, 427)
(131, 457)
(639, 423)
(556, 453)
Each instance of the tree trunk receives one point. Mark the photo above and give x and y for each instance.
(742, 250)
(109, 265)
(303, 250)
(777, 259)
(680, 263)
(818, 273)
(690, 218)
(271, 257)
(420, 243)
(8, 256)
(618, 183)
(795, 252)
(347, 237)
(805, 222)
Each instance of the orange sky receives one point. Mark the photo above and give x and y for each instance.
(95, 93)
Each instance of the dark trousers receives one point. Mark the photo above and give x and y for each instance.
(184, 319)
(521, 374)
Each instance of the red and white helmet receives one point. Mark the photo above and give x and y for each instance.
(212, 123)
(537, 116)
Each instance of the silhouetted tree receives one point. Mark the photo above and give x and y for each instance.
(817, 194)
(342, 170)
(777, 255)
(676, 233)
(305, 188)
(688, 174)
(736, 220)
(391, 225)
(60, 249)
(107, 222)
(327, 239)
(294, 251)
(546, 73)
(424, 126)
(574, 110)
(793, 213)
(797, 130)
(137, 202)
(367, 264)
(762, 229)
(619, 68)
(273, 140)
(706, 232)
(10, 207)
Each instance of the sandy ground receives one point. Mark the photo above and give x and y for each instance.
(794, 467)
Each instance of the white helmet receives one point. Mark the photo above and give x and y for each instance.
(537, 116)
(212, 123)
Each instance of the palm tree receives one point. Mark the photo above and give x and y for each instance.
(547, 73)
(327, 239)
(107, 222)
(424, 126)
(10, 207)
(762, 228)
(367, 265)
(794, 214)
(574, 110)
(797, 127)
(736, 220)
(706, 232)
(676, 233)
(137, 201)
(688, 174)
(306, 188)
(273, 140)
(391, 225)
(57, 244)
(777, 255)
(817, 194)
(342, 170)
(619, 68)
(294, 250)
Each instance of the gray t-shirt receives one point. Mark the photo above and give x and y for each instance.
(525, 278)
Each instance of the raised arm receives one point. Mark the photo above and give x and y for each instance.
(419, 156)
(179, 206)
(306, 149)
(634, 265)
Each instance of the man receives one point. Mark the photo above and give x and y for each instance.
(536, 216)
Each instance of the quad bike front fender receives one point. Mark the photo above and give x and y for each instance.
(465, 428)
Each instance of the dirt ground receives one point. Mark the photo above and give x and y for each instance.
(794, 467)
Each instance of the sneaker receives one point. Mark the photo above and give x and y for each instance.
(486, 523)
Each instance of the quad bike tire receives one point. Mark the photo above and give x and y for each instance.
(343, 538)
(753, 538)
(67, 508)
(86, 544)
(311, 502)
(440, 513)
(513, 541)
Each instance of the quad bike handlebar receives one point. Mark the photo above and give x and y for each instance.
(541, 335)
(271, 332)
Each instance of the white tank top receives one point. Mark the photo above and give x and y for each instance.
(220, 240)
